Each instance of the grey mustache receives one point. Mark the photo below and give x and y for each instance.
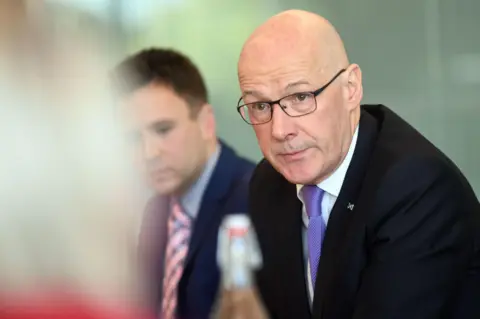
(287, 150)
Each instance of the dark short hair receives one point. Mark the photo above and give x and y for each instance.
(164, 67)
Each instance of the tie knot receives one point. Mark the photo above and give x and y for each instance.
(312, 197)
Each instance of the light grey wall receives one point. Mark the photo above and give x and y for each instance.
(419, 57)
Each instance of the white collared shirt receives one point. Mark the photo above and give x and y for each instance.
(331, 186)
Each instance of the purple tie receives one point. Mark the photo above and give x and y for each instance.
(312, 196)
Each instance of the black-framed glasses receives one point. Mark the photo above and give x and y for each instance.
(294, 105)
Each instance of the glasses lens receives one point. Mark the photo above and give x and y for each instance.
(256, 113)
(298, 104)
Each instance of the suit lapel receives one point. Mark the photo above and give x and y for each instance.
(152, 244)
(293, 263)
(278, 221)
(210, 215)
(342, 211)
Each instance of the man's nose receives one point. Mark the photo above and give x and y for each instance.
(283, 127)
(151, 147)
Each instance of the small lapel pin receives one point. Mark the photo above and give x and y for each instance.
(350, 206)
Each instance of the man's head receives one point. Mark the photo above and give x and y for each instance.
(297, 52)
(169, 119)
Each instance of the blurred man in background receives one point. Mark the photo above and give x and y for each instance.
(198, 179)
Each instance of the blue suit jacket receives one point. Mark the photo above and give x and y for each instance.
(226, 193)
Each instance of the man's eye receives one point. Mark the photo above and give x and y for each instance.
(300, 97)
(260, 106)
(162, 130)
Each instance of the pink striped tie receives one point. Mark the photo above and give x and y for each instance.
(179, 227)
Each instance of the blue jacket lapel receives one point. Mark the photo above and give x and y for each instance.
(210, 213)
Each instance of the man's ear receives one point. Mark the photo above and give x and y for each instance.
(354, 90)
(206, 120)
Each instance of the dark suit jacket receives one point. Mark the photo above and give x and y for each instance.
(409, 248)
(226, 193)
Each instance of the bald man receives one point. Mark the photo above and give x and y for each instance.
(358, 215)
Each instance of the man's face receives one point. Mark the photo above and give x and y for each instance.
(304, 149)
(169, 142)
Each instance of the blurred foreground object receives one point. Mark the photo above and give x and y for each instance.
(68, 201)
(240, 304)
(238, 257)
(238, 252)
(63, 307)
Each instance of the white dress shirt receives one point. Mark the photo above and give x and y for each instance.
(331, 186)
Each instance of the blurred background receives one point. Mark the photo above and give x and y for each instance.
(421, 58)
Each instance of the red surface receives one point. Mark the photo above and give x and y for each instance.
(65, 307)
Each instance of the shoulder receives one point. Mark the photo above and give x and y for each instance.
(236, 168)
(402, 156)
(241, 164)
(396, 138)
(233, 175)
(407, 173)
(425, 172)
(427, 193)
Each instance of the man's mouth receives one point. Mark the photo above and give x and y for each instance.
(157, 174)
(294, 156)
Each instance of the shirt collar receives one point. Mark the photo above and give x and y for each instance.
(192, 199)
(333, 184)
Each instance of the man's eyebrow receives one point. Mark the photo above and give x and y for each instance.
(253, 93)
(160, 123)
(297, 83)
(250, 92)
(260, 95)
